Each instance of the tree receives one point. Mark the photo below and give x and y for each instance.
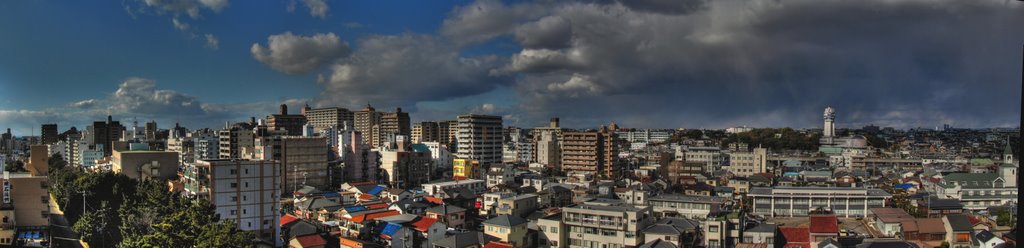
(95, 227)
(225, 234)
(56, 162)
(1005, 218)
(12, 165)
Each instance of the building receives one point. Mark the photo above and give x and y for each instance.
(303, 160)
(284, 121)
(978, 191)
(105, 133)
(519, 205)
(888, 220)
(245, 191)
(688, 206)
(588, 153)
(361, 163)
(452, 216)
(763, 233)
(605, 223)
(327, 118)
(518, 146)
(427, 131)
(393, 124)
(549, 151)
(933, 207)
(958, 230)
(405, 166)
(465, 168)
(799, 201)
(142, 164)
(829, 130)
(206, 145)
(680, 232)
(551, 231)
(236, 141)
(823, 227)
(930, 231)
(507, 228)
(711, 157)
(480, 138)
(677, 169)
(438, 188)
(48, 135)
(443, 159)
(745, 164)
(365, 121)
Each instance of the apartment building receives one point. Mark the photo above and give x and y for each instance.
(480, 138)
(284, 121)
(328, 118)
(605, 223)
(303, 160)
(244, 191)
(689, 206)
(745, 164)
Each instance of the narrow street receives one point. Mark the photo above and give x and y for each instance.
(61, 234)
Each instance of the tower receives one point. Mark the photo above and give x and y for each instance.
(830, 125)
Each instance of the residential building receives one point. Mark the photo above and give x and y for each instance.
(365, 121)
(822, 228)
(519, 205)
(518, 146)
(548, 150)
(958, 230)
(427, 131)
(406, 165)
(465, 168)
(507, 228)
(711, 157)
(142, 164)
(888, 220)
(680, 232)
(928, 231)
(393, 124)
(105, 133)
(480, 138)
(675, 171)
(245, 191)
(933, 207)
(362, 164)
(745, 164)
(452, 216)
(476, 186)
(551, 231)
(797, 201)
(978, 191)
(443, 158)
(687, 206)
(329, 118)
(763, 233)
(48, 134)
(303, 160)
(584, 152)
(605, 223)
(236, 141)
(284, 121)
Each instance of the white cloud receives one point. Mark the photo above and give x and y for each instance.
(486, 19)
(317, 8)
(294, 54)
(179, 25)
(212, 42)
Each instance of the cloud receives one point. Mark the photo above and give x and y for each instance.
(756, 63)
(84, 103)
(191, 8)
(179, 25)
(401, 70)
(317, 8)
(294, 54)
(212, 42)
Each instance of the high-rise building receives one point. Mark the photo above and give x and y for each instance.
(548, 143)
(236, 141)
(480, 139)
(49, 134)
(151, 131)
(391, 125)
(303, 160)
(361, 162)
(591, 152)
(324, 118)
(284, 121)
(244, 191)
(7, 142)
(518, 146)
(406, 165)
(427, 131)
(366, 120)
(105, 133)
(447, 133)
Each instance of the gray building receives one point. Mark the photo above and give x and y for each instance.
(798, 201)
(605, 223)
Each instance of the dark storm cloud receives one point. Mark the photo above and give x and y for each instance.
(768, 63)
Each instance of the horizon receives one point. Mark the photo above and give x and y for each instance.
(694, 65)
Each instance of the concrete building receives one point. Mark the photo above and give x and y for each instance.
(745, 164)
(582, 152)
(325, 118)
(549, 150)
(284, 121)
(362, 164)
(520, 205)
(799, 201)
(518, 146)
(436, 189)
(443, 158)
(105, 133)
(680, 232)
(466, 168)
(244, 191)
(605, 223)
(427, 131)
(206, 144)
(236, 141)
(48, 134)
(143, 164)
(712, 157)
(365, 121)
(644, 135)
(688, 206)
(393, 124)
(978, 191)
(480, 139)
(829, 129)
(551, 231)
(406, 165)
(508, 229)
(303, 160)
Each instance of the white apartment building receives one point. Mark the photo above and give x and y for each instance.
(480, 138)
(245, 191)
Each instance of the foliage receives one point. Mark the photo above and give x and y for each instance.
(56, 162)
(1005, 218)
(136, 213)
(776, 139)
(12, 165)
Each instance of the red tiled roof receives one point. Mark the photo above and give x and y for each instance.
(495, 244)
(311, 240)
(795, 234)
(824, 224)
(371, 216)
(434, 200)
(287, 219)
(377, 206)
(423, 223)
(362, 183)
(366, 197)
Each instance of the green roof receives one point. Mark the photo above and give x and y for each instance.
(982, 161)
(973, 180)
(420, 148)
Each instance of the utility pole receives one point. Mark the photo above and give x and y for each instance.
(83, 201)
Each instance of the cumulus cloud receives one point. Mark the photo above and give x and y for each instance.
(401, 70)
(317, 8)
(757, 63)
(212, 42)
(295, 54)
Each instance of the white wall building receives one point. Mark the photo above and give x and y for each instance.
(244, 191)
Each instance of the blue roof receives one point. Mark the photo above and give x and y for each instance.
(390, 229)
(376, 190)
(792, 173)
(904, 186)
(420, 148)
(355, 209)
(330, 194)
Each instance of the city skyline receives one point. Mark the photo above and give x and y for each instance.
(698, 65)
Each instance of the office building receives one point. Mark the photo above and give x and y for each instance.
(245, 191)
(480, 139)
(48, 135)
(284, 121)
(745, 164)
(605, 223)
(325, 118)
(798, 201)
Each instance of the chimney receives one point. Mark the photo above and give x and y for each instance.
(554, 122)
(284, 109)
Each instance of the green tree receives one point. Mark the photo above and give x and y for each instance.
(56, 162)
(225, 234)
(12, 165)
(1005, 218)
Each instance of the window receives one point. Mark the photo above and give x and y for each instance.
(713, 228)
(234, 185)
(554, 229)
(233, 171)
(234, 212)
(247, 184)
(769, 240)
(44, 214)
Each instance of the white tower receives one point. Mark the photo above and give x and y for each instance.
(830, 122)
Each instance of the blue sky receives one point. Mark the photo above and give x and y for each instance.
(645, 63)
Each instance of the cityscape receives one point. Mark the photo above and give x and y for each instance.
(491, 123)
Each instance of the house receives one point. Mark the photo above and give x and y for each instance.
(307, 241)
(933, 207)
(763, 233)
(510, 229)
(658, 243)
(930, 231)
(829, 243)
(519, 205)
(985, 239)
(888, 220)
(310, 208)
(795, 237)
(823, 227)
(958, 230)
(452, 216)
(680, 232)
(470, 239)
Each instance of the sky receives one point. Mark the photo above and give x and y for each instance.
(641, 63)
